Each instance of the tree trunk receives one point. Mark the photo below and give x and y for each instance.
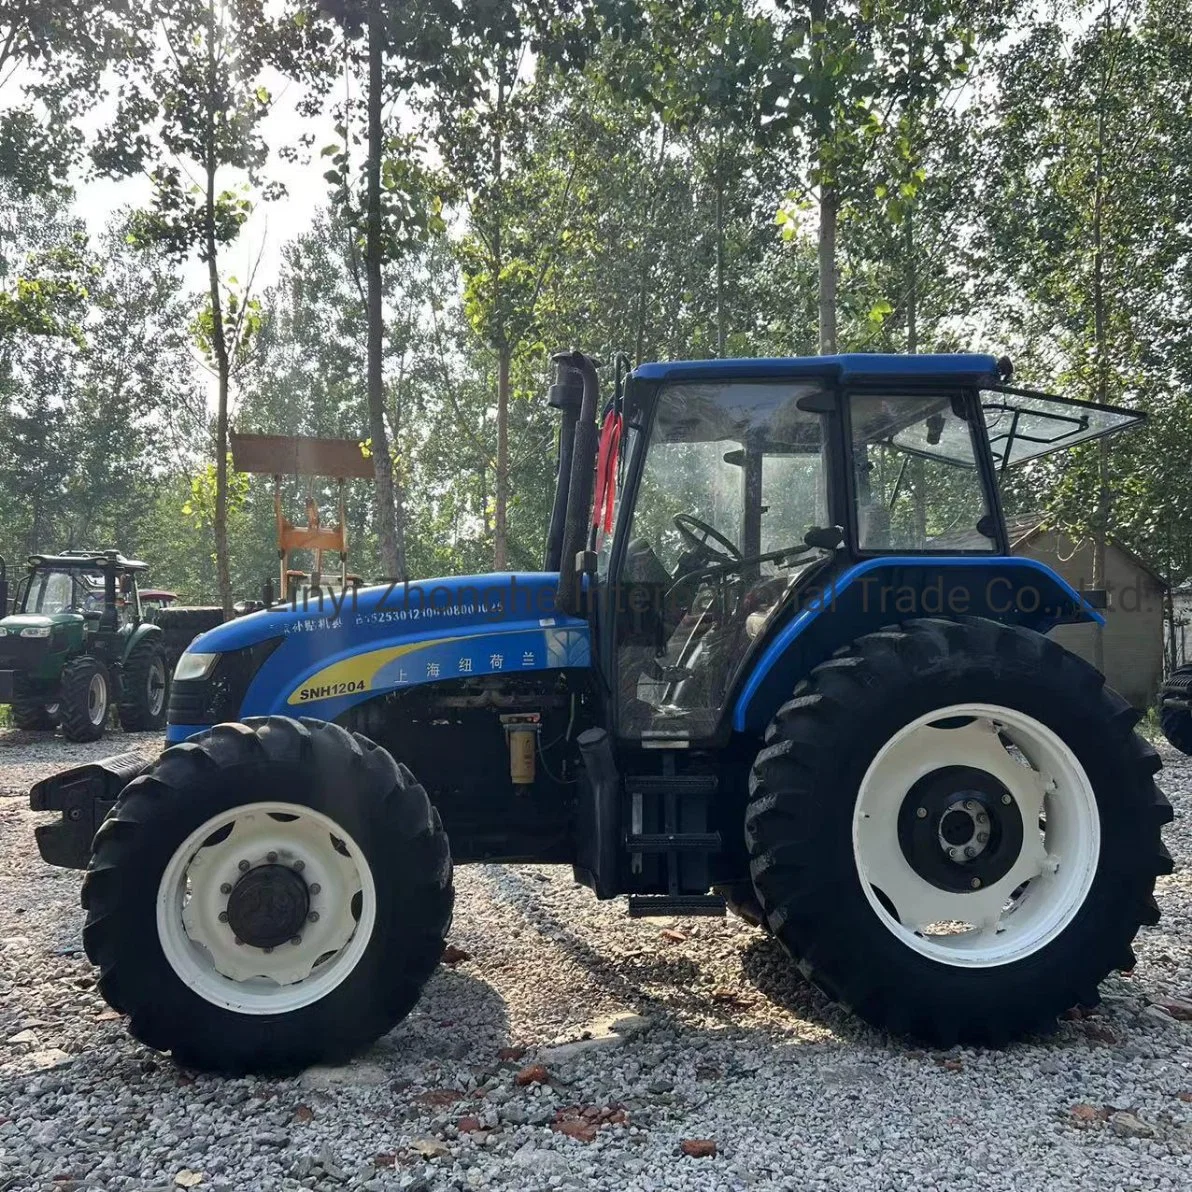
(1101, 360)
(720, 336)
(829, 203)
(219, 344)
(501, 529)
(504, 351)
(392, 560)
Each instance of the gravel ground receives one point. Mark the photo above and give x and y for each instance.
(715, 1039)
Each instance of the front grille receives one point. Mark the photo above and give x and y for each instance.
(22, 653)
(217, 698)
(189, 699)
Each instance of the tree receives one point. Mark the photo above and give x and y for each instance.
(204, 88)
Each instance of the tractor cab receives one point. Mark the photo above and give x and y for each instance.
(756, 490)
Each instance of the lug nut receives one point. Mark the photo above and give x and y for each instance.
(243, 866)
(225, 887)
(271, 858)
(969, 851)
(972, 805)
(982, 837)
(315, 888)
(313, 917)
(300, 865)
(975, 883)
(953, 853)
(223, 916)
(982, 818)
(296, 939)
(1007, 800)
(921, 812)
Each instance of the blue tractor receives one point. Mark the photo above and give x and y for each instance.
(797, 674)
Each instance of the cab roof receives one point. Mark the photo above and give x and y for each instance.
(861, 367)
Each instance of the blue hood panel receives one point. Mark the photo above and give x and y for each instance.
(385, 638)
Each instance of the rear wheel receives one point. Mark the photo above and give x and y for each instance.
(84, 699)
(954, 829)
(143, 688)
(247, 933)
(31, 707)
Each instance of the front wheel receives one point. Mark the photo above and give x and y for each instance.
(268, 895)
(954, 829)
(84, 699)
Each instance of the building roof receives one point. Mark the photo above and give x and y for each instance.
(1025, 527)
(937, 368)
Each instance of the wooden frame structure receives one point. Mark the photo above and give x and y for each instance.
(300, 455)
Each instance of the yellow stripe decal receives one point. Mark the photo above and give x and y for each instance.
(355, 674)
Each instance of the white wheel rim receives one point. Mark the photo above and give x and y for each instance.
(157, 687)
(1045, 887)
(97, 699)
(201, 948)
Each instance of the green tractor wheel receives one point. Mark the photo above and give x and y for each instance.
(31, 708)
(144, 687)
(84, 699)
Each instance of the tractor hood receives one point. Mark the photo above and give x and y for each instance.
(14, 624)
(318, 661)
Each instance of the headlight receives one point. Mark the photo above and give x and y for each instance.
(195, 666)
(36, 631)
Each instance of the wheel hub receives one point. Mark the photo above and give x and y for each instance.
(268, 906)
(960, 829)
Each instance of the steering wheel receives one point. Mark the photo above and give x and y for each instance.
(699, 535)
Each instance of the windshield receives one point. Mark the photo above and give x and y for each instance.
(741, 460)
(64, 591)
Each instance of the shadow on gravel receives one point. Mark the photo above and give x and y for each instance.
(764, 965)
(457, 1016)
(774, 974)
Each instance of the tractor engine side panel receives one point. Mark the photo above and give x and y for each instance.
(455, 737)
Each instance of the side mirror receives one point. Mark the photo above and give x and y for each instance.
(824, 537)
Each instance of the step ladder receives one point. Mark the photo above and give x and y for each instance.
(667, 825)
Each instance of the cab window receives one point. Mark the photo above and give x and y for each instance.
(915, 475)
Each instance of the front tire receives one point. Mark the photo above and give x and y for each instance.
(1176, 721)
(904, 752)
(84, 699)
(31, 708)
(268, 895)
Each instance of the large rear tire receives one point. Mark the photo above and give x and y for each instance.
(144, 687)
(954, 829)
(85, 694)
(268, 895)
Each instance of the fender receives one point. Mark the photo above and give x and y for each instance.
(881, 591)
(146, 629)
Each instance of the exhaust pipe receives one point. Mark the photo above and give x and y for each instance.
(580, 486)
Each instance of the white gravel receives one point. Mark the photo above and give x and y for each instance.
(730, 1046)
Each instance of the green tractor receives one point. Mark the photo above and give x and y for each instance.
(77, 639)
